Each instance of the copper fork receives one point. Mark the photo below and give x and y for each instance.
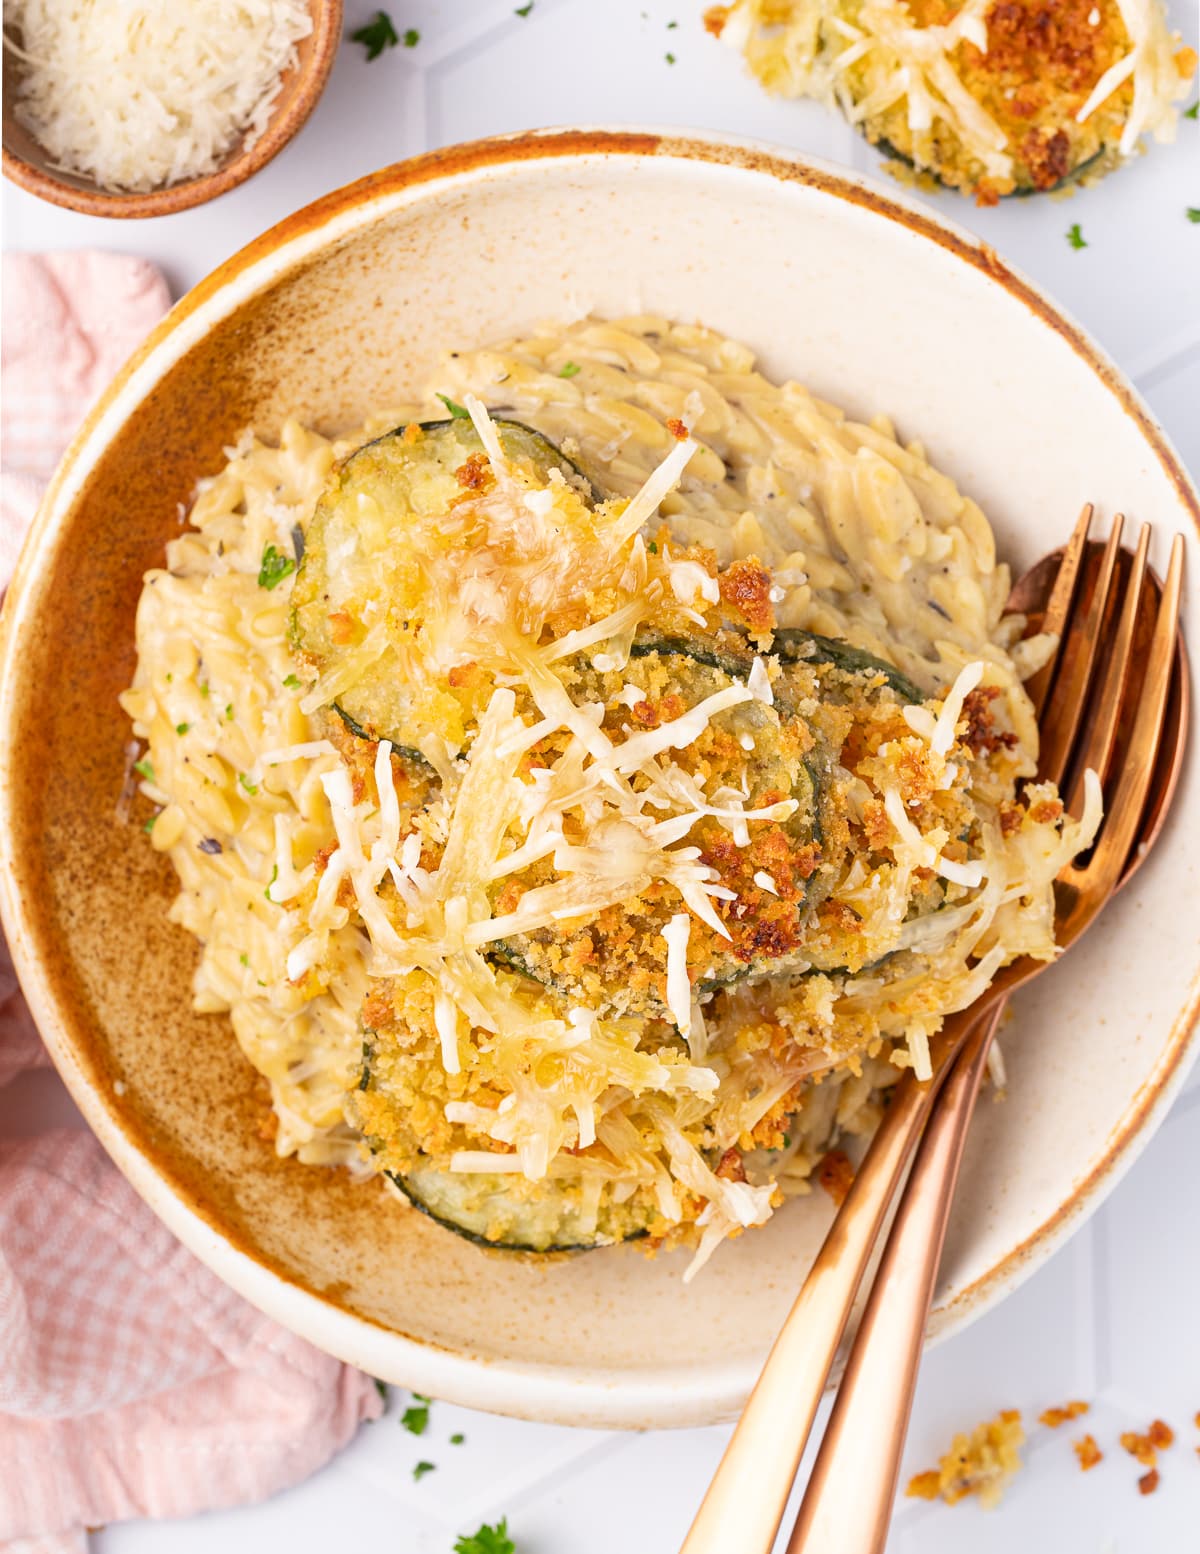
(1115, 684)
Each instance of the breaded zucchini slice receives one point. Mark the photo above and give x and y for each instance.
(760, 755)
(845, 673)
(358, 571)
(1012, 97)
(506, 1212)
(1023, 136)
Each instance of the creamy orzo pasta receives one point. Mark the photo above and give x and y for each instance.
(593, 786)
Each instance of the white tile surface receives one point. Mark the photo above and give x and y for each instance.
(1113, 1316)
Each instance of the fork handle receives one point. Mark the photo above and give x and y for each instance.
(847, 1504)
(748, 1495)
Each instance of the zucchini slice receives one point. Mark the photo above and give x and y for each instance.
(616, 959)
(1093, 162)
(503, 1212)
(359, 564)
(851, 663)
(733, 658)
(405, 752)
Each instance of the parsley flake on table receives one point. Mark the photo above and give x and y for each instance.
(275, 567)
(457, 1440)
(570, 370)
(415, 1419)
(376, 35)
(411, 38)
(670, 59)
(1193, 213)
(1075, 236)
(488, 1540)
(524, 10)
(421, 1469)
(455, 409)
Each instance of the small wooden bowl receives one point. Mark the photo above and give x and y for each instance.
(25, 162)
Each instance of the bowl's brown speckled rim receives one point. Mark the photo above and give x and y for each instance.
(518, 1390)
(299, 97)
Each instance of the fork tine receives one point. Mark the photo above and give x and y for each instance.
(1064, 710)
(1125, 800)
(1103, 727)
(1058, 606)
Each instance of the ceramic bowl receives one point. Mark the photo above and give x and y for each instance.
(26, 162)
(346, 306)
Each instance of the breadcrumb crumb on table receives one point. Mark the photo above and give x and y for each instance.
(979, 1464)
(1147, 1447)
(1053, 1417)
(1088, 1452)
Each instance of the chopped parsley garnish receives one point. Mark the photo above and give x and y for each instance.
(204, 687)
(411, 38)
(381, 1388)
(1193, 213)
(652, 547)
(244, 958)
(149, 826)
(1075, 236)
(1192, 112)
(144, 769)
(275, 567)
(671, 24)
(570, 370)
(488, 1540)
(271, 881)
(422, 1468)
(524, 10)
(457, 1440)
(376, 35)
(415, 1419)
(229, 712)
(670, 59)
(292, 682)
(249, 786)
(182, 728)
(455, 410)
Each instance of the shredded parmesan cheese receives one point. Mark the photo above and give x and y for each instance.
(679, 992)
(142, 94)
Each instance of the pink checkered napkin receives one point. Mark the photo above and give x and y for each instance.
(132, 1381)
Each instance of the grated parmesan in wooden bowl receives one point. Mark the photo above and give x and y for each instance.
(111, 103)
